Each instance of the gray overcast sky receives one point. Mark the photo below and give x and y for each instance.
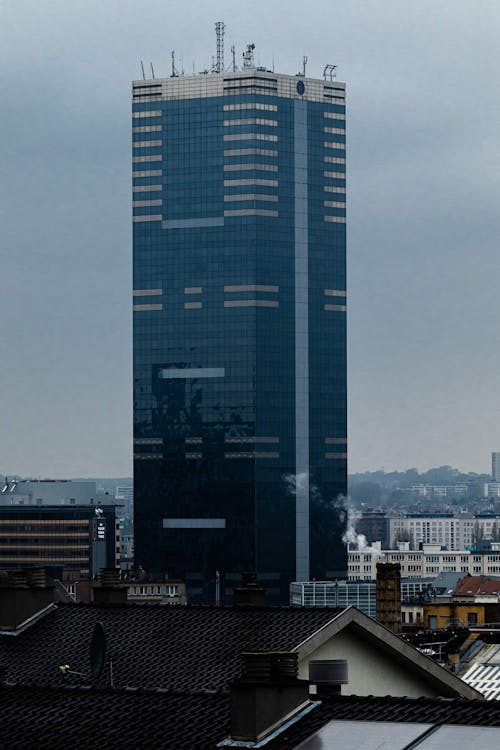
(424, 226)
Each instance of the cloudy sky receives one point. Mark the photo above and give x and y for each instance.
(424, 225)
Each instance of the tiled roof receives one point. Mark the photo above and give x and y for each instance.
(476, 585)
(186, 648)
(123, 719)
(61, 718)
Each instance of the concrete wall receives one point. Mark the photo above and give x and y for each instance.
(372, 671)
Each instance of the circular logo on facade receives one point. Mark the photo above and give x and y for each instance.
(300, 87)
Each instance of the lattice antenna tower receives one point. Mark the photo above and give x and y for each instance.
(219, 30)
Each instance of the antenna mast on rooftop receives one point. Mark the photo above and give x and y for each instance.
(219, 30)
(329, 70)
(248, 57)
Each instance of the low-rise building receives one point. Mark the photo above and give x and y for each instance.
(340, 593)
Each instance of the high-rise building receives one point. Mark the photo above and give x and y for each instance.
(239, 327)
(495, 466)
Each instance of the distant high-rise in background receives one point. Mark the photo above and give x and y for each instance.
(240, 440)
(495, 466)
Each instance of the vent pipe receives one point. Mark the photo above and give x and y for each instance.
(328, 675)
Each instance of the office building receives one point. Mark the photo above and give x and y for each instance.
(495, 466)
(343, 593)
(239, 327)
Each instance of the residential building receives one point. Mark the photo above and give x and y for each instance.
(437, 528)
(427, 562)
(239, 306)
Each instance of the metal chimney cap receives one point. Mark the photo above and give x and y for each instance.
(328, 672)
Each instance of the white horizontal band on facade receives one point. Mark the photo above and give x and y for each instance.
(335, 308)
(250, 152)
(250, 105)
(192, 305)
(146, 144)
(247, 167)
(251, 212)
(251, 197)
(147, 292)
(148, 113)
(194, 455)
(259, 90)
(335, 131)
(251, 288)
(334, 115)
(333, 189)
(335, 175)
(144, 99)
(193, 440)
(251, 303)
(252, 121)
(335, 293)
(146, 203)
(251, 439)
(337, 456)
(334, 204)
(155, 306)
(148, 173)
(144, 159)
(194, 523)
(147, 217)
(334, 159)
(336, 441)
(193, 289)
(251, 181)
(252, 454)
(147, 129)
(148, 441)
(148, 456)
(335, 219)
(146, 188)
(250, 137)
(334, 144)
(168, 373)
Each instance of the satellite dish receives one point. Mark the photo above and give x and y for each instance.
(97, 650)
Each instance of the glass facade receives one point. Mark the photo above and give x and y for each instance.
(239, 329)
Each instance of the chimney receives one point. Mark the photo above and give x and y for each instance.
(109, 590)
(24, 594)
(266, 695)
(249, 594)
(328, 675)
(389, 596)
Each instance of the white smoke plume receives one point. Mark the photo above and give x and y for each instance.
(351, 538)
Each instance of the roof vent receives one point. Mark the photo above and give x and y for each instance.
(328, 675)
(249, 594)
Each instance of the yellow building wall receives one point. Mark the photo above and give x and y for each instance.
(454, 612)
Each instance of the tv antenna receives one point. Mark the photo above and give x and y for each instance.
(175, 72)
(233, 55)
(219, 30)
(248, 57)
(304, 63)
(329, 72)
(152, 70)
(143, 73)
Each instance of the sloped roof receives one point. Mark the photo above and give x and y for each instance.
(186, 648)
(56, 718)
(476, 585)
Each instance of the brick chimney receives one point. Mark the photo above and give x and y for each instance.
(109, 590)
(249, 594)
(389, 596)
(268, 693)
(24, 594)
